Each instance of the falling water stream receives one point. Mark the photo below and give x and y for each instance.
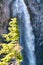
(26, 32)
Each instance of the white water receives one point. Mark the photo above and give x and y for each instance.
(26, 33)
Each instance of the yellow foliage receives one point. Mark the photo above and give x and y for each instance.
(13, 31)
(13, 48)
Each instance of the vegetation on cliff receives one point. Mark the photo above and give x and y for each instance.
(11, 49)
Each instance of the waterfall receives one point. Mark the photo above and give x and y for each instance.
(26, 32)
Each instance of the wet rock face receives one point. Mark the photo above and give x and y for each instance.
(4, 17)
(35, 8)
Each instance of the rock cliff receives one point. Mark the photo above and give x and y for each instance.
(35, 8)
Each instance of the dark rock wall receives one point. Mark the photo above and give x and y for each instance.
(35, 8)
(4, 16)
